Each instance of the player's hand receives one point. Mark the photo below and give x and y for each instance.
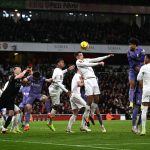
(101, 63)
(69, 93)
(111, 55)
(71, 67)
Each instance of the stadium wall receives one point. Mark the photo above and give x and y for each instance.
(60, 117)
(64, 47)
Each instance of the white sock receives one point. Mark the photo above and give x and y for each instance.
(18, 120)
(85, 115)
(71, 121)
(1, 123)
(13, 122)
(93, 108)
(144, 117)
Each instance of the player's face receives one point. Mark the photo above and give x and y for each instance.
(132, 46)
(146, 60)
(80, 56)
(61, 64)
(17, 70)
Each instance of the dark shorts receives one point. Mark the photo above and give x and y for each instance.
(7, 102)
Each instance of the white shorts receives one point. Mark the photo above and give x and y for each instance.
(91, 87)
(77, 102)
(146, 96)
(55, 95)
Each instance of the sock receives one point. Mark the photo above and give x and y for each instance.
(1, 122)
(71, 121)
(8, 121)
(53, 112)
(100, 119)
(93, 108)
(18, 120)
(27, 116)
(131, 94)
(13, 122)
(134, 116)
(144, 117)
(47, 106)
(85, 116)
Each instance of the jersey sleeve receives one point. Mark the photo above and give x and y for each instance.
(81, 63)
(92, 60)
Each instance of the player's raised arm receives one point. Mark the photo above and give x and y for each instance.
(92, 60)
(81, 63)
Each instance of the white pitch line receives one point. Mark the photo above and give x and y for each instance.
(67, 145)
(124, 144)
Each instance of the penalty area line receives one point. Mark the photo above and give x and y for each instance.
(66, 145)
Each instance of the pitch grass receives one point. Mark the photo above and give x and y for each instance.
(118, 137)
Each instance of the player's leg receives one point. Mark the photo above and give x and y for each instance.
(96, 101)
(9, 103)
(132, 78)
(28, 110)
(90, 99)
(72, 120)
(18, 118)
(145, 105)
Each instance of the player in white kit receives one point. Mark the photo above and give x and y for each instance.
(144, 79)
(56, 88)
(92, 91)
(77, 102)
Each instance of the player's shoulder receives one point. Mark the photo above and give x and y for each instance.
(79, 61)
(144, 67)
(141, 49)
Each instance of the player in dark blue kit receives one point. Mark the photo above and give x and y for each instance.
(136, 60)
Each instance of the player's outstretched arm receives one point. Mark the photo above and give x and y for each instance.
(49, 80)
(69, 69)
(87, 64)
(100, 58)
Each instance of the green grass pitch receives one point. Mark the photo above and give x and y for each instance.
(118, 137)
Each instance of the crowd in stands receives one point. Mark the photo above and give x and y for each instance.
(113, 81)
(65, 31)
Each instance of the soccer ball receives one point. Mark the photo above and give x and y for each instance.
(84, 45)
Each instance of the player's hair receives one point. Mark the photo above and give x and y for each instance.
(58, 60)
(148, 56)
(36, 74)
(77, 53)
(134, 41)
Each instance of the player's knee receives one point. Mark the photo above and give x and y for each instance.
(56, 107)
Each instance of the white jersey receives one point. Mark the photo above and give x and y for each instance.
(74, 84)
(85, 66)
(144, 75)
(58, 76)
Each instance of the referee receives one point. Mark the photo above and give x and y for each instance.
(7, 98)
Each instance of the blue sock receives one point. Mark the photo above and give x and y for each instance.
(99, 119)
(134, 115)
(27, 116)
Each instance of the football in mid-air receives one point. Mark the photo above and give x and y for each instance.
(84, 45)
